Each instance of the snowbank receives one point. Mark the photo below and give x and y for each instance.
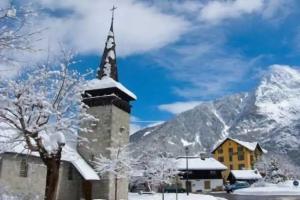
(172, 196)
(283, 189)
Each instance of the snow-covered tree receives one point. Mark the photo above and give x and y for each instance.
(41, 109)
(274, 173)
(286, 167)
(160, 170)
(121, 164)
(15, 32)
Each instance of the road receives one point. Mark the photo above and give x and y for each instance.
(244, 197)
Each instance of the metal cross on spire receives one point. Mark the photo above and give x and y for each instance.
(113, 11)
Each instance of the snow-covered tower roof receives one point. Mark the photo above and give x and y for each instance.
(108, 66)
(105, 88)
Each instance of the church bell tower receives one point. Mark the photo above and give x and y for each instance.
(109, 102)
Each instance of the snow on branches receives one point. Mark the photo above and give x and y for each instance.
(43, 106)
(120, 163)
(277, 168)
(15, 33)
(161, 169)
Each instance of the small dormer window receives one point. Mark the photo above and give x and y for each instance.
(23, 168)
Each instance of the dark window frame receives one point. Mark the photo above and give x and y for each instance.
(24, 168)
(220, 150)
(221, 159)
(240, 148)
(241, 166)
(241, 157)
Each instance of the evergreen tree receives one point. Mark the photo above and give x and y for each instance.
(273, 172)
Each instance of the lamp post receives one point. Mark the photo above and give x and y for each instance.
(187, 170)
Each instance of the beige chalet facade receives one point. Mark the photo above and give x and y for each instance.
(237, 154)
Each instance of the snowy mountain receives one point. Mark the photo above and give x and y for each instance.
(270, 114)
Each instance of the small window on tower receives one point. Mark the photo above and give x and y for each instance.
(23, 168)
(122, 129)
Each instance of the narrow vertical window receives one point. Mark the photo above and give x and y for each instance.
(24, 168)
(70, 172)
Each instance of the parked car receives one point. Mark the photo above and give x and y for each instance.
(237, 185)
(145, 192)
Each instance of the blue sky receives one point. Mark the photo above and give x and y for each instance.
(175, 54)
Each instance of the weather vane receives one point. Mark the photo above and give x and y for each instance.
(113, 11)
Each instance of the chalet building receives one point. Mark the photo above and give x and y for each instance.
(22, 172)
(250, 176)
(237, 154)
(204, 174)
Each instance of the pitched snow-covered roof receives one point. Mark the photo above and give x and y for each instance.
(69, 154)
(246, 174)
(249, 145)
(107, 82)
(196, 163)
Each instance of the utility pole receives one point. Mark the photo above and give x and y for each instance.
(187, 171)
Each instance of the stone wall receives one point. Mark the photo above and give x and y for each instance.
(69, 187)
(34, 184)
(112, 130)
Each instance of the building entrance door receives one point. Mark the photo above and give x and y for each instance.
(188, 186)
(87, 190)
(207, 185)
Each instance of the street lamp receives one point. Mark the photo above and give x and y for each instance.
(187, 170)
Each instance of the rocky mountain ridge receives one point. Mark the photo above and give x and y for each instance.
(270, 114)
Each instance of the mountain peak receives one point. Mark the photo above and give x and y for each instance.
(282, 74)
(277, 95)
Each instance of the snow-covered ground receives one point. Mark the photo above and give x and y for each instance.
(284, 189)
(172, 196)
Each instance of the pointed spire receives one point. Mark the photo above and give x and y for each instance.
(108, 65)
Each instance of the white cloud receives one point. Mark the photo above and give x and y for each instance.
(84, 25)
(273, 7)
(138, 27)
(216, 11)
(178, 107)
